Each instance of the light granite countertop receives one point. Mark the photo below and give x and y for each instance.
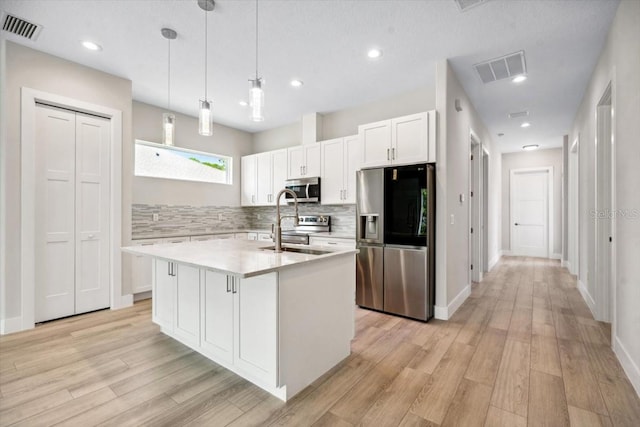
(243, 258)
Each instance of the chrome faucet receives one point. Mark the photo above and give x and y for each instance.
(277, 230)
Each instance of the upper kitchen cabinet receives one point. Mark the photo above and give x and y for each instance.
(263, 175)
(402, 140)
(304, 161)
(340, 160)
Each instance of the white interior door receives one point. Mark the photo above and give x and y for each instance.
(92, 213)
(72, 213)
(530, 212)
(55, 213)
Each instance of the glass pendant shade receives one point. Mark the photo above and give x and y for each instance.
(206, 118)
(168, 128)
(256, 100)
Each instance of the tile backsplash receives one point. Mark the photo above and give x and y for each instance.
(188, 220)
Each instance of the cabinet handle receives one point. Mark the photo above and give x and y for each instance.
(305, 170)
(233, 285)
(300, 170)
(228, 290)
(168, 269)
(393, 154)
(388, 157)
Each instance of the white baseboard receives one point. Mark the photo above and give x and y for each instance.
(141, 296)
(566, 264)
(444, 313)
(9, 326)
(507, 252)
(123, 302)
(586, 296)
(555, 256)
(628, 364)
(495, 260)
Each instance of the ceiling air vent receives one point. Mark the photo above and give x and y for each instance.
(463, 5)
(20, 27)
(518, 114)
(501, 68)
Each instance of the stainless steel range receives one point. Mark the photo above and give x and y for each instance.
(306, 224)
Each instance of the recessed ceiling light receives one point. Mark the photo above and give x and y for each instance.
(525, 125)
(530, 147)
(519, 79)
(91, 45)
(374, 53)
(243, 103)
(296, 83)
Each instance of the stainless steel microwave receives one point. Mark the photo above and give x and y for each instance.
(307, 189)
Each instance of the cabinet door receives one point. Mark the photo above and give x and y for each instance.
(332, 180)
(256, 327)
(312, 160)
(141, 271)
(409, 139)
(296, 162)
(187, 320)
(263, 180)
(217, 316)
(164, 294)
(248, 181)
(432, 120)
(375, 141)
(352, 157)
(278, 172)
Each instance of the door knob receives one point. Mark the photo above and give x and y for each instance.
(516, 223)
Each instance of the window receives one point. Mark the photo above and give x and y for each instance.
(160, 161)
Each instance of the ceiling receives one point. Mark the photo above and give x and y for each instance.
(324, 44)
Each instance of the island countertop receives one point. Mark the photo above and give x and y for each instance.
(242, 258)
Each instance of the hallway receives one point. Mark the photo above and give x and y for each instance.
(522, 350)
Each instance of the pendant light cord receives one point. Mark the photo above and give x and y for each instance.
(205, 53)
(256, 40)
(169, 76)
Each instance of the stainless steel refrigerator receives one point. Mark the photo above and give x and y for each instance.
(396, 236)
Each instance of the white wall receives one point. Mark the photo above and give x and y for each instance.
(452, 258)
(345, 122)
(619, 63)
(32, 69)
(531, 159)
(147, 121)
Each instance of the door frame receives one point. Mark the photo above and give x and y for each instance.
(29, 98)
(574, 207)
(475, 209)
(550, 224)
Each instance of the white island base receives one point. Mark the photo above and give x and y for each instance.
(281, 330)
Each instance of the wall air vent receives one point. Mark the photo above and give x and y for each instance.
(505, 67)
(518, 114)
(20, 27)
(463, 5)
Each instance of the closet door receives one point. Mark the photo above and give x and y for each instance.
(92, 213)
(55, 213)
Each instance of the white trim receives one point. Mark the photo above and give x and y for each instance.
(629, 366)
(28, 121)
(445, 313)
(556, 256)
(9, 326)
(494, 260)
(507, 252)
(550, 227)
(586, 296)
(566, 264)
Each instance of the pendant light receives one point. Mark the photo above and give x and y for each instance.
(205, 126)
(256, 94)
(168, 119)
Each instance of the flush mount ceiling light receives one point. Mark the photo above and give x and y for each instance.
(296, 83)
(519, 79)
(91, 45)
(256, 94)
(530, 147)
(374, 53)
(205, 118)
(168, 119)
(525, 125)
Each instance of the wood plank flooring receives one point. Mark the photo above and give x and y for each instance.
(522, 350)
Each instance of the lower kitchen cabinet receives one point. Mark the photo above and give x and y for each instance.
(335, 242)
(216, 314)
(164, 294)
(187, 303)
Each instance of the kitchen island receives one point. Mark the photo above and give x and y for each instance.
(279, 320)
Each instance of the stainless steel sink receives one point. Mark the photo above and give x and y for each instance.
(298, 250)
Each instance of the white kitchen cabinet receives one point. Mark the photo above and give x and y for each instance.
(217, 316)
(402, 140)
(248, 196)
(164, 293)
(340, 159)
(304, 161)
(187, 303)
(331, 242)
(141, 276)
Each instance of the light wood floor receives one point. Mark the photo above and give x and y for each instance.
(523, 350)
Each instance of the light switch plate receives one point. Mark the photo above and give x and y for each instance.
(453, 219)
(155, 217)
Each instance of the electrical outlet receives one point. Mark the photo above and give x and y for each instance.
(155, 217)
(219, 217)
(453, 219)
